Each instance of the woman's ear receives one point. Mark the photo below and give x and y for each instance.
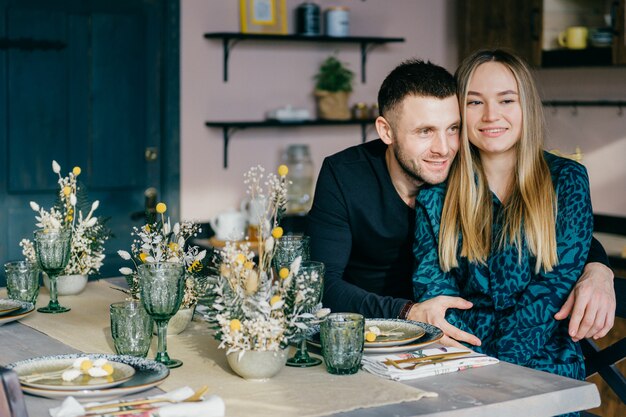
(385, 132)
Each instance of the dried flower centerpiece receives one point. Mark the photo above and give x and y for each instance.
(255, 311)
(89, 232)
(161, 242)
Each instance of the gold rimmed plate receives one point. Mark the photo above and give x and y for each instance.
(48, 374)
(392, 332)
(148, 374)
(432, 335)
(25, 309)
(8, 306)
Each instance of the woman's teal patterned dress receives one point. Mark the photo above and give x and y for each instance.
(514, 307)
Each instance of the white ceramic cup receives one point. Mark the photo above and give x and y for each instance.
(229, 225)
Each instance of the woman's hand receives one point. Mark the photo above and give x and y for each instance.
(433, 312)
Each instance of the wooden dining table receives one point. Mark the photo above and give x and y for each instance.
(495, 390)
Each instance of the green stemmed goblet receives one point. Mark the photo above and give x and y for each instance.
(288, 248)
(52, 248)
(310, 276)
(162, 286)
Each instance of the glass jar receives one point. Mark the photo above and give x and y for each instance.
(300, 189)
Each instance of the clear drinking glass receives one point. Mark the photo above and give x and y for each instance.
(310, 275)
(343, 336)
(22, 281)
(52, 248)
(289, 247)
(162, 287)
(131, 328)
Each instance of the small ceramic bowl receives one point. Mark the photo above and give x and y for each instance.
(68, 284)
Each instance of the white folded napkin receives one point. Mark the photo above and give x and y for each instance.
(375, 364)
(212, 406)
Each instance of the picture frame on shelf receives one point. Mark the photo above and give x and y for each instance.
(263, 16)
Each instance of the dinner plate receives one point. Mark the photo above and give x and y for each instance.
(25, 309)
(394, 332)
(51, 375)
(432, 334)
(8, 305)
(148, 374)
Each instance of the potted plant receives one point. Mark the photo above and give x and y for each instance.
(161, 242)
(333, 85)
(72, 212)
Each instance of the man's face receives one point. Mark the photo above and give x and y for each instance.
(425, 137)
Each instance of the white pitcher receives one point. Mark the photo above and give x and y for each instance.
(229, 225)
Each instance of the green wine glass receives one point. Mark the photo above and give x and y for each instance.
(52, 248)
(162, 287)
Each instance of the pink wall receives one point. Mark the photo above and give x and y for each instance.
(264, 76)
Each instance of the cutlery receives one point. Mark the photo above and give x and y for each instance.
(112, 409)
(390, 361)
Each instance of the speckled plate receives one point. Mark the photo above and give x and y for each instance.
(148, 374)
(25, 309)
(395, 332)
(53, 368)
(432, 334)
(8, 305)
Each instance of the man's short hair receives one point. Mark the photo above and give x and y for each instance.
(414, 77)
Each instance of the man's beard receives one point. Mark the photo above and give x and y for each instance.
(413, 173)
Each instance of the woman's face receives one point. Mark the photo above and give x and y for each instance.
(493, 113)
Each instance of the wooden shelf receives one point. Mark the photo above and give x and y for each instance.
(565, 58)
(230, 127)
(230, 39)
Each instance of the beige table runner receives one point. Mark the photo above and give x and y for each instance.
(306, 392)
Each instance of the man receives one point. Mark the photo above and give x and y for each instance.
(362, 221)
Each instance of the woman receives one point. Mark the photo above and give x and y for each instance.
(511, 230)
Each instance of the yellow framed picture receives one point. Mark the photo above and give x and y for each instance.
(263, 16)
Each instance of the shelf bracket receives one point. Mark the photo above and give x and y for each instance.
(228, 44)
(227, 132)
(364, 51)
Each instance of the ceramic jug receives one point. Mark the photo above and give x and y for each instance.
(229, 225)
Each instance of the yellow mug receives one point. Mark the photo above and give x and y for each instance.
(574, 37)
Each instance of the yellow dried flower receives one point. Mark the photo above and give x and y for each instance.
(240, 258)
(108, 368)
(76, 171)
(143, 256)
(195, 266)
(173, 246)
(161, 208)
(283, 170)
(370, 336)
(277, 232)
(235, 325)
(248, 265)
(274, 300)
(283, 273)
(85, 365)
(67, 190)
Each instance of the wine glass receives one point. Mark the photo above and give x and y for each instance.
(52, 248)
(162, 286)
(288, 248)
(310, 275)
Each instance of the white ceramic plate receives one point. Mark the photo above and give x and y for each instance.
(395, 332)
(54, 368)
(148, 374)
(25, 309)
(432, 335)
(8, 305)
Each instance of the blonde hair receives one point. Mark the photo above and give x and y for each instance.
(529, 214)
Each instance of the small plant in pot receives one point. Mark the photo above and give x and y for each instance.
(333, 85)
